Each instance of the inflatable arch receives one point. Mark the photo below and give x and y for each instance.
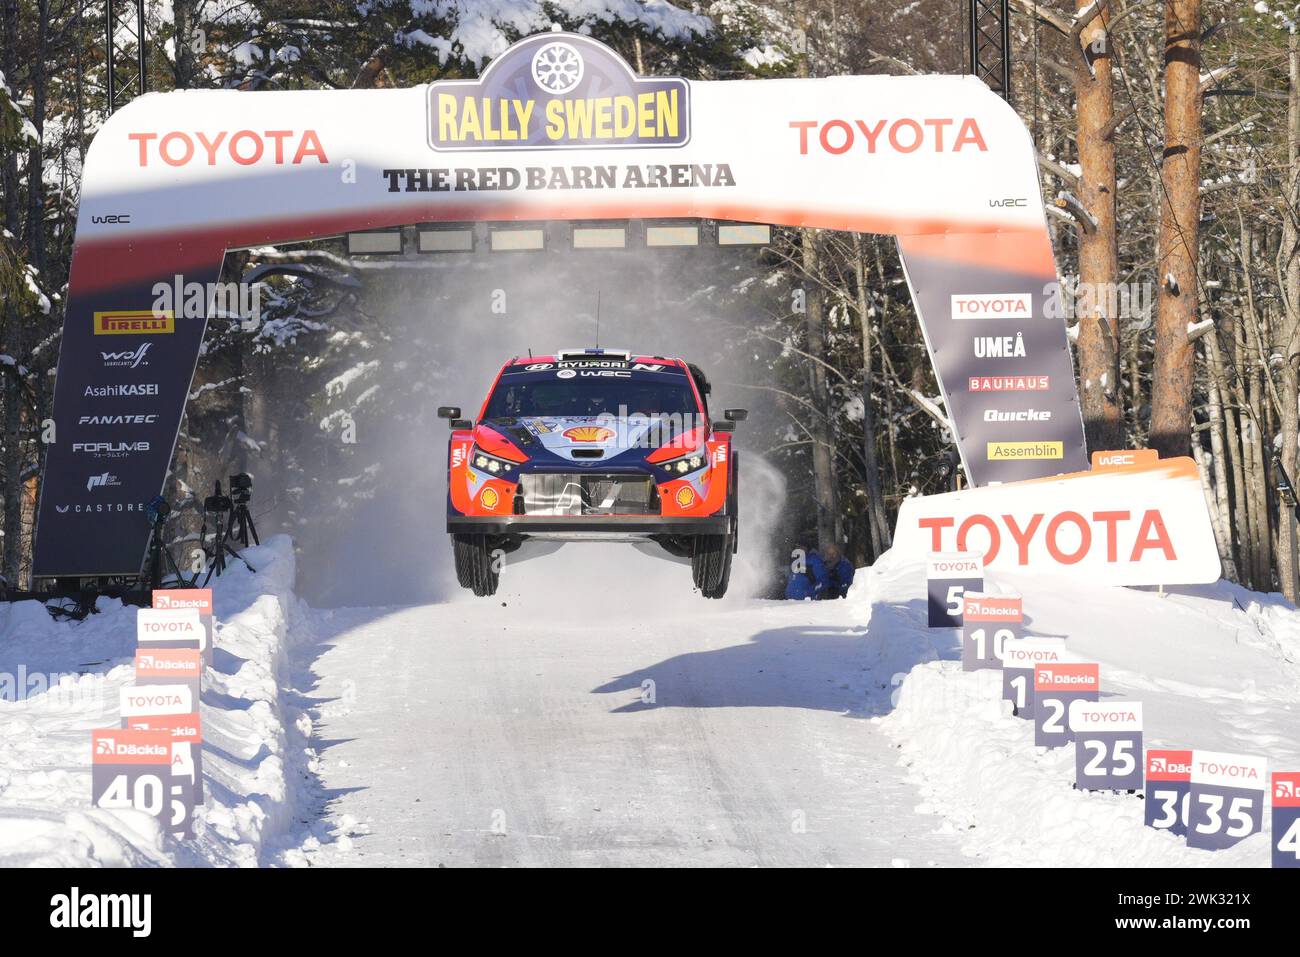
(557, 128)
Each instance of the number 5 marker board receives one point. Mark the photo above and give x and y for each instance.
(948, 576)
(1018, 660)
(1169, 780)
(1226, 802)
(1107, 745)
(1286, 818)
(1056, 687)
(990, 621)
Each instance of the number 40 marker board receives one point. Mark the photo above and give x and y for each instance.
(990, 621)
(948, 576)
(1286, 818)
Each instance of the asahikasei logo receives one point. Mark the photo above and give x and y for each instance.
(559, 91)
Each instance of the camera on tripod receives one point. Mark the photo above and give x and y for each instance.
(241, 488)
(218, 502)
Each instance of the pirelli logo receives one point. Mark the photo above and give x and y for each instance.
(134, 322)
(1018, 451)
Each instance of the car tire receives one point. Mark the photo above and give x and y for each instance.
(711, 564)
(474, 564)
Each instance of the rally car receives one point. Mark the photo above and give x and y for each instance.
(593, 445)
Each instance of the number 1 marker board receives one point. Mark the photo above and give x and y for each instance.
(1286, 818)
(1018, 660)
(1169, 780)
(1226, 802)
(1056, 687)
(948, 576)
(1107, 745)
(989, 622)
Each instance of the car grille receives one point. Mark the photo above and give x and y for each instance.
(575, 493)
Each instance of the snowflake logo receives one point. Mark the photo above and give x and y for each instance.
(557, 67)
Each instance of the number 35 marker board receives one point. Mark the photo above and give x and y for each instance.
(1286, 818)
(990, 621)
(1056, 687)
(1226, 802)
(1107, 745)
(1018, 660)
(1169, 779)
(949, 575)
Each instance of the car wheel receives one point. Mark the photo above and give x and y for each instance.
(711, 564)
(474, 566)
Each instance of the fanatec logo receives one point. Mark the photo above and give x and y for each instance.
(131, 359)
(103, 480)
(149, 419)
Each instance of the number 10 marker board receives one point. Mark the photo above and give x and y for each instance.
(990, 621)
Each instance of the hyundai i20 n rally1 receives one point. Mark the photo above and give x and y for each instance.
(593, 445)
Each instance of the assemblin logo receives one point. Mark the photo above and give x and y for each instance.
(1114, 300)
(218, 300)
(75, 909)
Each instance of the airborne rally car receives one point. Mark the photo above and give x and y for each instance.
(593, 445)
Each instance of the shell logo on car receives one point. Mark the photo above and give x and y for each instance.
(489, 498)
(685, 496)
(588, 433)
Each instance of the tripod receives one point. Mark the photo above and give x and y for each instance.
(241, 522)
(221, 506)
(157, 511)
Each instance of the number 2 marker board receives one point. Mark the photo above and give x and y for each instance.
(948, 576)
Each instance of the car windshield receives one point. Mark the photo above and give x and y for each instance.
(591, 393)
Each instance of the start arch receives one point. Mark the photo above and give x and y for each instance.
(174, 180)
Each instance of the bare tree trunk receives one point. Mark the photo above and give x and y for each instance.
(1171, 401)
(877, 524)
(184, 23)
(1098, 350)
(1221, 504)
(820, 426)
(11, 331)
(1287, 330)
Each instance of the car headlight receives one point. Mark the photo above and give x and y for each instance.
(685, 464)
(490, 463)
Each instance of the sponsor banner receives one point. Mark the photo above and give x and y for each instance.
(1002, 361)
(1226, 801)
(1056, 688)
(1019, 656)
(1286, 818)
(1107, 744)
(989, 622)
(947, 577)
(186, 785)
(154, 700)
(131, 769)
(1124, 458)
(170, 628)
(199, 599)
(164, 666)
(1145, 525)
(556, 128)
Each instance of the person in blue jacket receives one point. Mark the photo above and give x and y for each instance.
(823, 577)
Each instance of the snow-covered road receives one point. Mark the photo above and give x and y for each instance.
(546, 732)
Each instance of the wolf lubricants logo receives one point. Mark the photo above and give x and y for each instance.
(559, 91)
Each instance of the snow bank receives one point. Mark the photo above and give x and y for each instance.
(63, 680)
(1216, 668)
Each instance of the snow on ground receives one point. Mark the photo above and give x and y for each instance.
(253, 741)
(597, 712)
(1215, 666)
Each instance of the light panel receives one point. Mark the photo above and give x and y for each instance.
(517, 239)
(676, 234)
(600, 237)
(450, 240)
(377, 242)
(744, 234)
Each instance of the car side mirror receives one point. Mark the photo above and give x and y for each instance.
(724, 426)
(736, 415)
(449, 412)
(461, 424)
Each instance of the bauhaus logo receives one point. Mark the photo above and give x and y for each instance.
(1005, 305)
(1009, 383)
